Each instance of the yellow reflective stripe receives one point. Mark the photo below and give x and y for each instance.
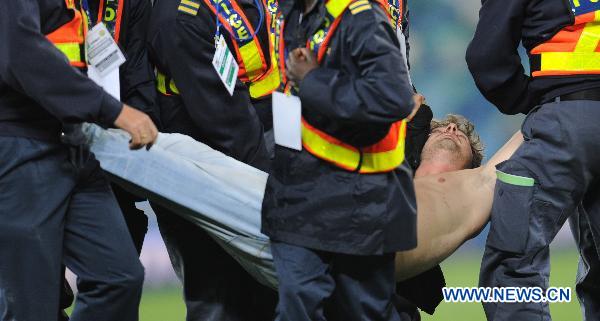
(350, 158)
(588, 42)
(358, 3)
(570, 61)
(173, 87)
(187, 10)
(266, 85)
(72, 50)
(161, 84)
(191, 4)
(252, 61)
(271, 81)
(385, 161)
(337, 7)
(583, 59)
(331, 152)
(360, 9)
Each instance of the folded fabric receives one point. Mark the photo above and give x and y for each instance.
(206, 187)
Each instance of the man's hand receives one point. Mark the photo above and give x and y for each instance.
(419, 101)
(139, 126)
(299, 63)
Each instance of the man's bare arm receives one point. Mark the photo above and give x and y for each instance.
(452, 208)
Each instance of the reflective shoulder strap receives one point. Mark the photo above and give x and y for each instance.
(110, 13)
(320, 40)
(249, 54)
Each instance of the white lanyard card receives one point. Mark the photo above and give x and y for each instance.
(102, 51)
(287, 116)
(225, 65)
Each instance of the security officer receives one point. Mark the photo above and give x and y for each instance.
(194, 101)
(127, 21)
(55, 204)
(557, 166)
(338, 210)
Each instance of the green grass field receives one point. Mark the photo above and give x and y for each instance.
(463, 270)
(460, 270)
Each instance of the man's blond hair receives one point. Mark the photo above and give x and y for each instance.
(465, 126)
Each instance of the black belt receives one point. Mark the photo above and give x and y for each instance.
(588, 94)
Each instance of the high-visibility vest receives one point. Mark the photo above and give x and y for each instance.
(574, 50)
(111, 14)
(260, 77)
(384, 156)
(70, 38)
(394, 10)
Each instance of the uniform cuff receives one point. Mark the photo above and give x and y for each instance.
(109, 110)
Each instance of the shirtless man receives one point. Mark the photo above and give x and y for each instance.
(452, 206)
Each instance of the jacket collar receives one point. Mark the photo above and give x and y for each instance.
(287, 6)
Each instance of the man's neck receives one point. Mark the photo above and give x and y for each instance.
(432, 168)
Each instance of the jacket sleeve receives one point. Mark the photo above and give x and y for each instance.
(228, 123)
(493, 57)
(31, 64)
(136, 74)
(380, 92)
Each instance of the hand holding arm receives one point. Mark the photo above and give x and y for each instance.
(139, 125)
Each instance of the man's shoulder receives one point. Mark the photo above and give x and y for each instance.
(365, 15)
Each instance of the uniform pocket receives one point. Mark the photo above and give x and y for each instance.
(509, 229)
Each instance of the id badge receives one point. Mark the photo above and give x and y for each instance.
(225, 65)
(102, 51)
(287, 120)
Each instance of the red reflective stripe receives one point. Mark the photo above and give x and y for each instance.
(566, 39)
(563, 41)
(325, 44)
(73, 31)
(389, 143)
(282, 54)
(585, 18)
(118, 23)
(401, 11)
(565, 73)
(119, 17)
(101, 11)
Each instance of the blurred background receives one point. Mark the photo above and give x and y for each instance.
(440, 33)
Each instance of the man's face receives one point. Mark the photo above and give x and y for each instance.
(449, 146)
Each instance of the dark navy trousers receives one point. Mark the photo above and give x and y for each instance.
(585, 225)
(317, 285)
(554, 172)
(56, 206)
(215, 286)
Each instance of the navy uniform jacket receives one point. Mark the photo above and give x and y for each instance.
(136, 74)
(182, 46)
(361, 88)
(494, 61)
(38, 87)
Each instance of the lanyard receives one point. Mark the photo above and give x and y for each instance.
(261, 15)
(88, 16)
